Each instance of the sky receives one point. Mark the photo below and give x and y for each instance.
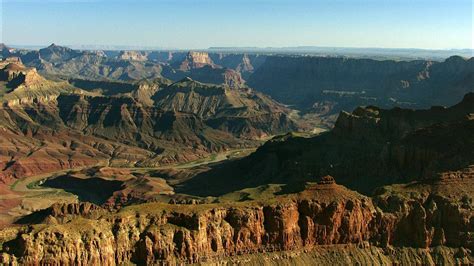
(199, 24)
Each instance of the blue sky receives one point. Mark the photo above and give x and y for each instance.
(263, 23)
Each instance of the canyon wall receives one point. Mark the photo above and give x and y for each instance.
(324, 215)
(306, 81)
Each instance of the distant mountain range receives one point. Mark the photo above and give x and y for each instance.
(356, 52)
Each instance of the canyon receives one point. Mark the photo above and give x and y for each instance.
(158, 122)
(205, 157)
(320, 86)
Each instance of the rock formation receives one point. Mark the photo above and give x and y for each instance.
(195, 60)
(164, 233)
(132, 55)
(368, 148)
(56, 54)
(174, 123)
(348, 83)
(320, 85)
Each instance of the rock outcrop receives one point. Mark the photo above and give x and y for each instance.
(332, 217)
(15, 73)
(132, 55)
(57, 54)
(195, 60)
(199, 66)
(154, 232)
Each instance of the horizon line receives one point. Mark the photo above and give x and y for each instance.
(152, 47)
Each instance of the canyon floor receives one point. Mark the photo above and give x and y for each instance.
(30, 194)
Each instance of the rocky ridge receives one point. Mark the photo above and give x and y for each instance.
(321, 215)
(368, 148)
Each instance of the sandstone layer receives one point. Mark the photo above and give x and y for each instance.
(324, 215)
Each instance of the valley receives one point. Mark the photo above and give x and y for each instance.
(34, 193)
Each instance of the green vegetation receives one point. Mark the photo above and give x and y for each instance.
(13, 186)
(263, 193)
(35, 185)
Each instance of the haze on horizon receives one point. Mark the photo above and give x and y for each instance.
(194, 24)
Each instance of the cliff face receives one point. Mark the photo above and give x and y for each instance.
(309, 81)
(195, 60)
(132, 55)
(368, 148)
(323, 214)
(176, 233)
(429, 214)
(15, 74)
